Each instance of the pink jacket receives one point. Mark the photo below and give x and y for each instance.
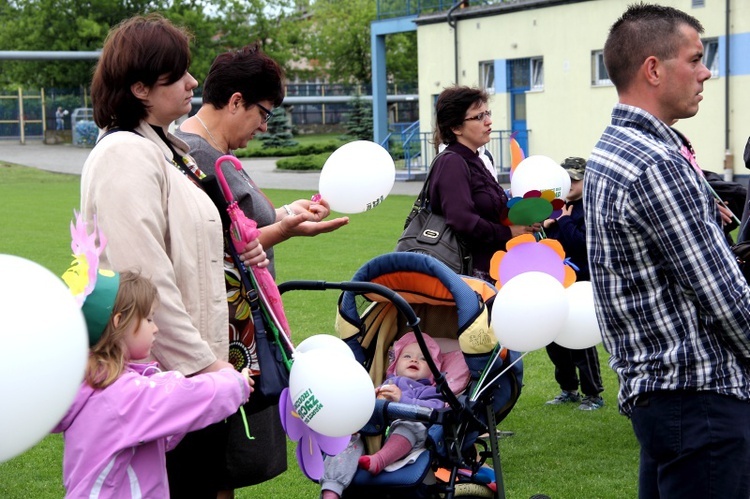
(116, 438)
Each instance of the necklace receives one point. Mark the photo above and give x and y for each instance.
(210, 135)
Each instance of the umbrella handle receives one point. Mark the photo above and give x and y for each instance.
(220, 175)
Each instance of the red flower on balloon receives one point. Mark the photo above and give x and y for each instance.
(533, 207)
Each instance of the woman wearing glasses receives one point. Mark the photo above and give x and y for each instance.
(240, 91)
(461, 188)
(144, 191)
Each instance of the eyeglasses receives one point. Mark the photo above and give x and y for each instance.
(268, 112)
(481, 116)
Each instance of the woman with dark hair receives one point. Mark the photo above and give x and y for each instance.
(143, 190)
(240, 91)
(461, 188)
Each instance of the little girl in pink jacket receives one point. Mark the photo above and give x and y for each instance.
(127, 415)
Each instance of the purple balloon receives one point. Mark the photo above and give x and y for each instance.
(530, 257)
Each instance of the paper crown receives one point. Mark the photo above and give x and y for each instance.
(94, 289)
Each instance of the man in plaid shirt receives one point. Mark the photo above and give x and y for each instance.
(673, 307)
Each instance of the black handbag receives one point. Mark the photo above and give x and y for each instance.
(428, 233)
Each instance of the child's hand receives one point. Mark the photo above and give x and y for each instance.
(246, 373)
(388, 392)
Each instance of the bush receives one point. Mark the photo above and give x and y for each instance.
(307, 162)
(298, 150)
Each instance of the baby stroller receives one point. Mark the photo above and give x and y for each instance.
(392, 295)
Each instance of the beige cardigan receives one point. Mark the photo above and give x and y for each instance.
(157, 221)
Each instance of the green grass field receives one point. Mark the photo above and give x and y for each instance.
(558, 451)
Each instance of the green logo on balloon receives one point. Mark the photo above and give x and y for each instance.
(307, 406)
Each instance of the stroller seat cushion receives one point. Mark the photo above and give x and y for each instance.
(456, 370)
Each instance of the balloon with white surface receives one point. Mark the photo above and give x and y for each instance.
(43, 353)
(324, 341)
(331, 392)
(580, 329)
(357, 177)
(539, 173)
(529, 311)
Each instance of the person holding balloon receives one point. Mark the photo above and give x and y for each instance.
(409, 381)
(240, 90)
(144, 191)
(461, 188)
(127, 413)
(570, 230)
(673, 306)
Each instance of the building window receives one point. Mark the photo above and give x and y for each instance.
(711, 55)
(699, 3)
(537, 73)
(599, 76)
(487, 76)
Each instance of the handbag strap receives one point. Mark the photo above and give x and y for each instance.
(423, 199)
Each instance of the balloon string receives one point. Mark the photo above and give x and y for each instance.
(487, 367)
(244, 421)
(476, 395)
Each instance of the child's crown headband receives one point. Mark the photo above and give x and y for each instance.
(94, 289)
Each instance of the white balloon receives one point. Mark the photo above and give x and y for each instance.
(43, 352)
(529, 311)
(540, 173)
(331, 392)
(357, 177)
(581, 329)
(325, 341)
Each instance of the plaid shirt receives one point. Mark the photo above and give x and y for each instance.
(673, 307)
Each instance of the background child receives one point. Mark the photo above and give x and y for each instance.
(127, 415)
(409, 381)
(570, 230)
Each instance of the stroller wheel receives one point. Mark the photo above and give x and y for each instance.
(473, 490)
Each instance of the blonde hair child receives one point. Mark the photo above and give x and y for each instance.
(128, 414)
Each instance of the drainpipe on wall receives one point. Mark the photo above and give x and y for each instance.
(453, 23)
(728, 155)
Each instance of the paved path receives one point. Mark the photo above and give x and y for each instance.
(66, 158)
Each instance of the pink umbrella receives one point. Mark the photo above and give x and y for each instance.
(242, 231)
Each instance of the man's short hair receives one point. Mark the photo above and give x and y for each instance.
(644, 30)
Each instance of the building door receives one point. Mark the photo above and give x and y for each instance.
(519, 82)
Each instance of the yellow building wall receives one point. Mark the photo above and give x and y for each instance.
(567, 117)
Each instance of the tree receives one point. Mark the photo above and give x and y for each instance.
(59, 25)
(359, 124)
(75, 25)
(340, 38)
(279, 132)
(339, 35)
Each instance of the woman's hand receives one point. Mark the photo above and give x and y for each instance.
(726, 213)
(308, 219)
(320, 209)
(253, 254)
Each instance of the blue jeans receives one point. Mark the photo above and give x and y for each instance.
(693, 445)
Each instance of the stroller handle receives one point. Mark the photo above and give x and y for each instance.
(356, 287)
(396, 410)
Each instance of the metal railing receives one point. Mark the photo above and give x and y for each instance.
(414, 151)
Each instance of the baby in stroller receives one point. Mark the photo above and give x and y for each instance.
(409, 381)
